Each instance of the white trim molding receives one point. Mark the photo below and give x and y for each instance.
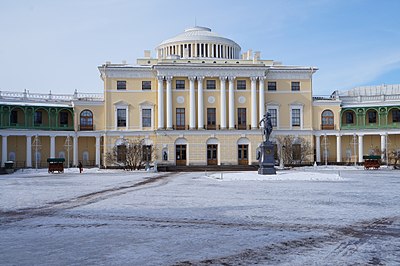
(293, 106)
(121, 105)
(274, 106)
(146, 105)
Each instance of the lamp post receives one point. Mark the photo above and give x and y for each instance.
(36, 145)
(67, 145)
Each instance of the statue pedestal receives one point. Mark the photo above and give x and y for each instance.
(267, 160)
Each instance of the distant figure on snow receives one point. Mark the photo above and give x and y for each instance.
(80, 166)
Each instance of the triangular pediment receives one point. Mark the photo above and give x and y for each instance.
(297, 103)
(273, 103)
(146, 103)
(121, 103)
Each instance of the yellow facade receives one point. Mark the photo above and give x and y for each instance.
(169, 103)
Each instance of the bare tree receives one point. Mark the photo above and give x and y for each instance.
(294, 150)
(132, 155)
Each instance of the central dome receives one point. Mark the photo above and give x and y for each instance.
(198, 42)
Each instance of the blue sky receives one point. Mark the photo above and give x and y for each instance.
(57, 45)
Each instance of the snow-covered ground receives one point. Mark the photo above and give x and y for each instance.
(312, 215)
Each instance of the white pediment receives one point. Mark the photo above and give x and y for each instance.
(121, 103)
(297, 103)
(146, 103)
(273, 103)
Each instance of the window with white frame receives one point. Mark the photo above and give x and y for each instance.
(273, 109)
(121, 117)
(274, 116)
(296, 117)
(146, 117)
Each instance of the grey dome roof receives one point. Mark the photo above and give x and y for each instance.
(199, 34)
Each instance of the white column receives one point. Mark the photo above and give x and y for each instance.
(75, 147)
(318, 148)
(28, 151)
(200, 103)
(98, 151)
(338, 148)
(360, 148)
(231, 97)
(4, 150)
(169, 102)
(223, 102)
(254, 120)
(160, 102)
(261, 106)
(52, 146)
(383, 145)
(192, 102)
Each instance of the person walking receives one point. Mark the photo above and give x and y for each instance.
(80, 166)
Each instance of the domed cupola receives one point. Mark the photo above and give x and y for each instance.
(198, 42)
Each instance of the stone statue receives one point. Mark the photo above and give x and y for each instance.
(267, 150)
(267, 127)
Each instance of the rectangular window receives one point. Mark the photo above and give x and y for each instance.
(396, 115)
(210, 85)
(241, 118)
(272, 85)
(295, 85)
(63, 118)
(240, 84)
(14, 117)
(146, 117)
(121, 117)
(121, 85)
(146, 85)
(296, 117)
(211, 118)
(180, 84)
(38, 118)
(274, 117)
(296, 152)
(180, 118)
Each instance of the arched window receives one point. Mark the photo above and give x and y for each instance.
(348, 117)
(372, 116)
(395, 114)
(86, 120)
(327, 119)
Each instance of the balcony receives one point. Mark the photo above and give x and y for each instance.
(328, 127)
(369, 126)
(86, 127)
(38, 126)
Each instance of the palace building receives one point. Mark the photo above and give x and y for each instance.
(198, 102)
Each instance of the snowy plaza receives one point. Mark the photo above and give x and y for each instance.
(305, 216)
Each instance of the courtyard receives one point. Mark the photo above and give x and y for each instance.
(313, 215)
